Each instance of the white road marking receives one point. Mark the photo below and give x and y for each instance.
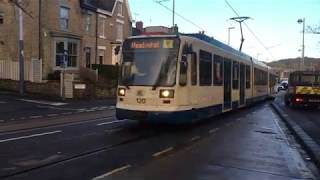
(213, 130)
(58, 108)
(35, 117)
(52, 115)
(195, 138)
(113, 130)
(2, 120)
(66, 113)
(162, 152)
(3, 102)
(44, 102)
(111, 122)
(112, 172)
(29, 136)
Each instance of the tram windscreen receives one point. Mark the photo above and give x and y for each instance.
(149, 62)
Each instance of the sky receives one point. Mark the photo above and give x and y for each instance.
(274, 23)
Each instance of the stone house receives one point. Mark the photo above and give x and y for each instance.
(81, 32)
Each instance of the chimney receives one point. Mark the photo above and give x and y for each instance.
(139, 26)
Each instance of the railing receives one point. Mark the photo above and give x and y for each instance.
(32, 70)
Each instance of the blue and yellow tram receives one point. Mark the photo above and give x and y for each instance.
(185, 78)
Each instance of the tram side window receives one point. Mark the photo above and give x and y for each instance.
(205, 65)
(218, 70)
(235, 75)
(248, 77)
(261, 77)
(194, 69)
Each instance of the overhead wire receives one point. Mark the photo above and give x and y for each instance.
(251, 31)
(179, 15)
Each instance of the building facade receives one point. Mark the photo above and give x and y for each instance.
(65, 33)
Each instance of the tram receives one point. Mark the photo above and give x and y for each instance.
(184, 78)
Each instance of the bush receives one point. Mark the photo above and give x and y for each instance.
(87, 75)
(54, 75)
(107, 72)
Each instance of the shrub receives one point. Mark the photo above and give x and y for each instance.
(54, 75)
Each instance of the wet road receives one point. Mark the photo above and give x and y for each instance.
(246, 144)
(254, 146)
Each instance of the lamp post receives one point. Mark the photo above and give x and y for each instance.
(303, 30)
(229, 34)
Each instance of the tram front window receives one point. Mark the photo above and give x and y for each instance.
(149, 62)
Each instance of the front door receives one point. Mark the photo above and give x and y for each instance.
(227, 84)
(242, 83)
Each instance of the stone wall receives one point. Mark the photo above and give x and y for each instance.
(49, 89)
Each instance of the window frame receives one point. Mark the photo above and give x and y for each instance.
(88, 23)
(1, 18)
(218, 60)
(120, 9)
(119, 31)
(194, 69)
(248, 80)
(66, 19)
(235, 79)
(102, 23)
(66, 42)
(205, 77)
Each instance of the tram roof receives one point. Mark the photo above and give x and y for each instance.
(217, 43)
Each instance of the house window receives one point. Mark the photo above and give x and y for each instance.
(102, 27)
(205, 65)
(120, 11)
(100, 59)
(88, 57)
(64, 18)
(88, 23)
(66, 51)
(1, 18)
(119, 32)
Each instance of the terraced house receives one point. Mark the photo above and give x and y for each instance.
(78, 33)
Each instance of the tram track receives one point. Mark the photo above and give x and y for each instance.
(62, 124)
(102, 149)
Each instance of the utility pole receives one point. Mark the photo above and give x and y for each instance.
(240, 20)
(21, 51)
(173, 9)
(229, 34)
(173, 12)
(303, 47)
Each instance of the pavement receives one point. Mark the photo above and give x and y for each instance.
(304, 122)
(251, 143)
(16, 109)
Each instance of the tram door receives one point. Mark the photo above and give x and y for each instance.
(227, 84)
(242, 83)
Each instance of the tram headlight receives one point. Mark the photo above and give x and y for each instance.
(121, 92)
(166, 93)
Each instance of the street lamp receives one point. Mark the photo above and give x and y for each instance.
(303, 29)
(229, 34)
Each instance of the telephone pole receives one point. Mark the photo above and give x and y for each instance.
(21, 50)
